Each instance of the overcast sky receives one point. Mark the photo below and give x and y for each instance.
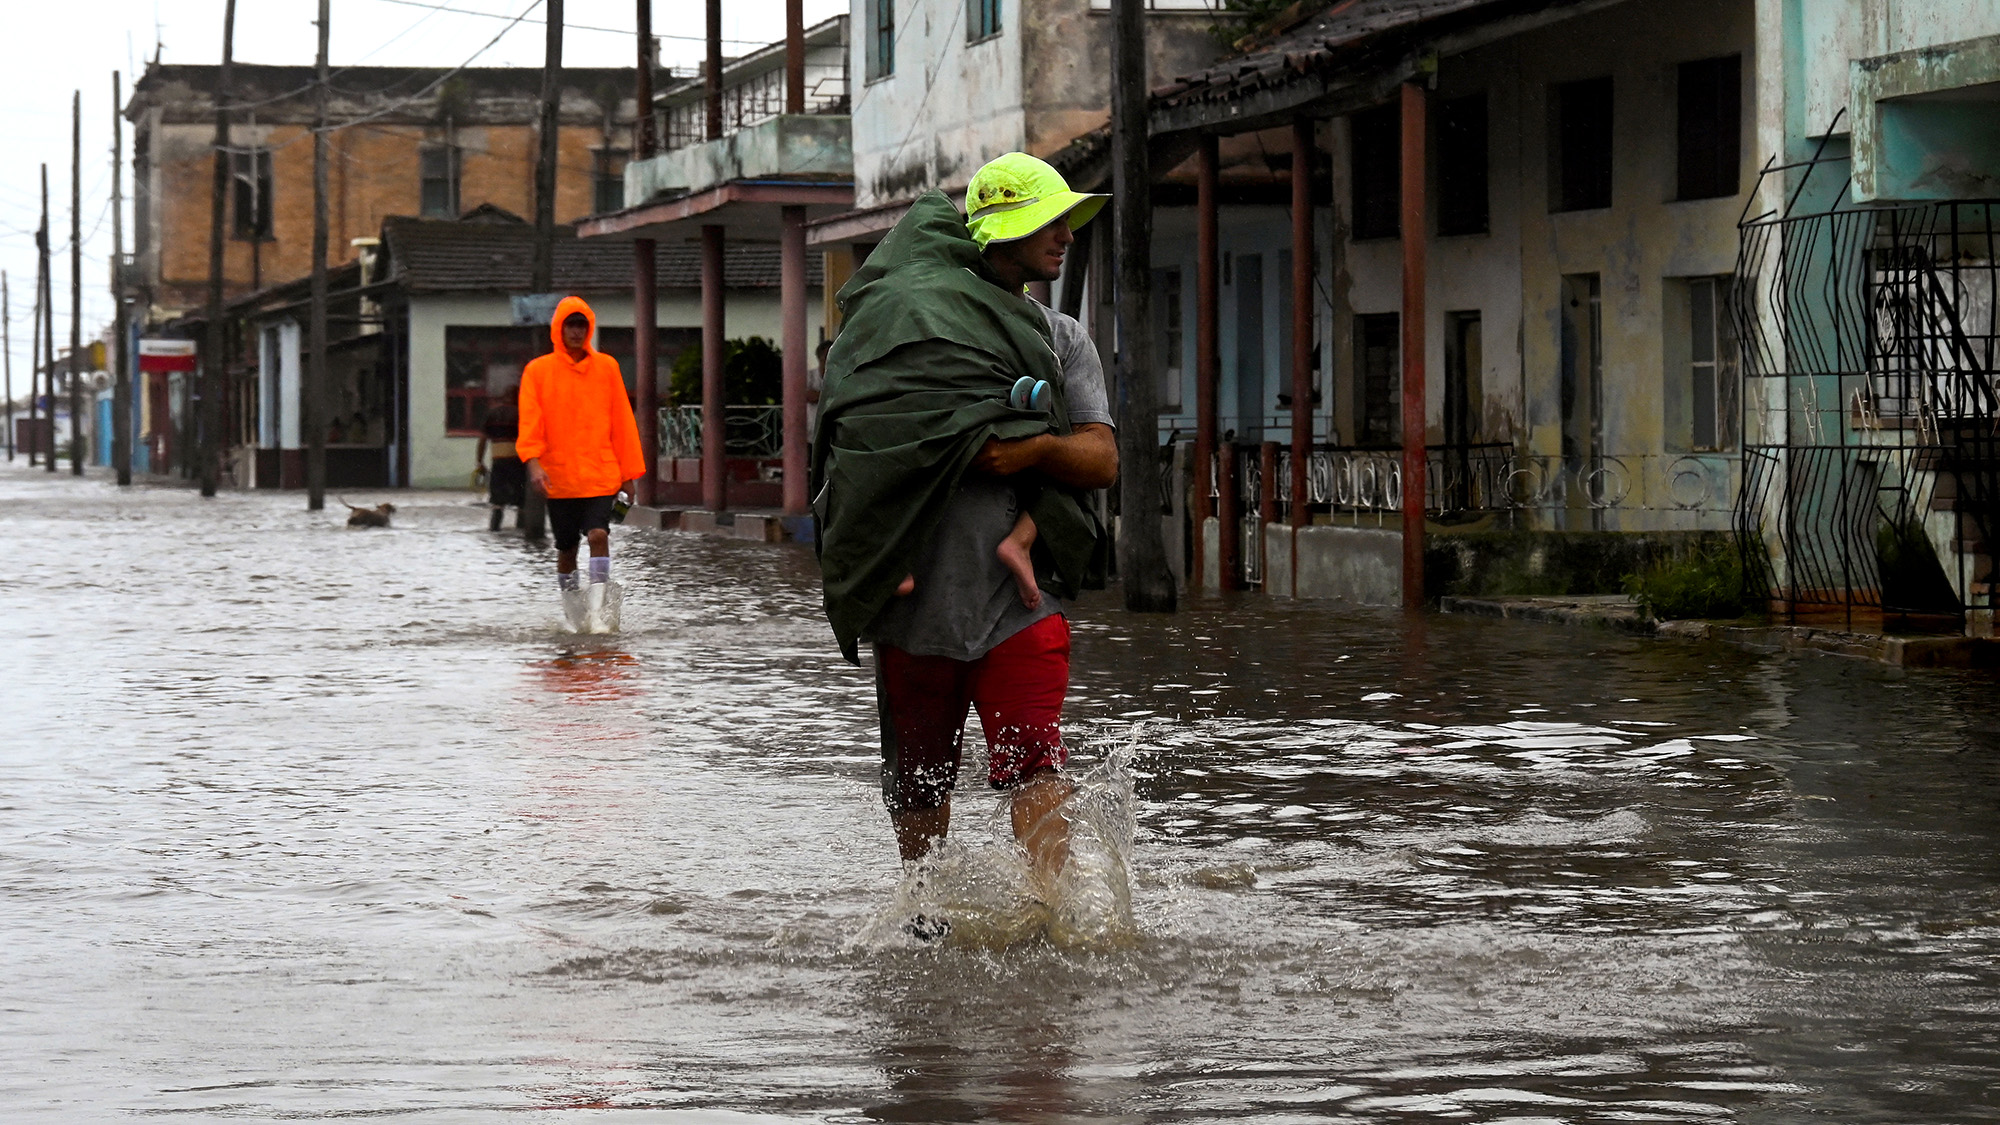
(62, 45)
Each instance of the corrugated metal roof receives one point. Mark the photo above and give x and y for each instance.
(1345, 38)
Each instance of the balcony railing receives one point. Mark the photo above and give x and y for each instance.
(747, 431)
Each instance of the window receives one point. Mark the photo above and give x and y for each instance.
(438, 165)
(982, 19)
(250, 193)
(1582, 372)
(1462, 391)
(1461, 159)
(1711, 365)
(881, 38)
(607, 181)
(1250, 397)
(1710, 127)
(1377, 148)
(1378, 351)
(1168, 328)
(1580, 146)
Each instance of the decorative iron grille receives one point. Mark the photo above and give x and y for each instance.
(1872, 462)
(747, 431)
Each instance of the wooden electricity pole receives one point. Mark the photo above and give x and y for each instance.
(314, 398)
(1142, 551)
(35, 345)
(645, 300)
(75, 283)
(121, 329)
(534, 505)
(48, 327)
(214, 367)
(546, 157)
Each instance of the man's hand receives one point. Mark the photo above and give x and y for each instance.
(1087, 458)
(538, 477)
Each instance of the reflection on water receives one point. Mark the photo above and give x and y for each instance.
(305, 822)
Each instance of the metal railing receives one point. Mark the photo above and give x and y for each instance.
(747, 431)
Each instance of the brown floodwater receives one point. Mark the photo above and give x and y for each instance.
(297, 821)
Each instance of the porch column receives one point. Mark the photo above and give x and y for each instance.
(792, 306)
(713, 466)
(1302, 332)
(1415, 233)
(1207, 356)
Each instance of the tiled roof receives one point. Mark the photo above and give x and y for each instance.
(1344, 36)
(445, 255)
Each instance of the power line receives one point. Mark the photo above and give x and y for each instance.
(567, 26)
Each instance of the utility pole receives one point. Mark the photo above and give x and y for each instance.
(645, 300)
(7, 350)
(1142, 550)
(545, 159)
(534, 506)
(313, 400)
(121, 329)
(214, 367)
(35, 349)
(75, 282)
(48, 326)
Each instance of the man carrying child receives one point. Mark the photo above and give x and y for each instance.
(925, 471)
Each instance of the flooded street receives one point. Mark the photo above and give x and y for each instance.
(301, 821)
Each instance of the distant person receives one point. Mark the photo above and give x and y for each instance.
(923, 467)
(506, 478)
(580, 446)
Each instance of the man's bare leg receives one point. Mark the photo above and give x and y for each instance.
(904, 587)
(920, 830)
(1013, 552)
(1040, 826)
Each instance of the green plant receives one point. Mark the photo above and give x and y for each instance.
(753, 373)
(1702, 584)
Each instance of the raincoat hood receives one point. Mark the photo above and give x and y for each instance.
(564, 308)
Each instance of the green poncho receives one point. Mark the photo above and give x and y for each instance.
(916, 383)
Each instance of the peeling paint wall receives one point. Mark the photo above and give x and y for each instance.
(951, 105)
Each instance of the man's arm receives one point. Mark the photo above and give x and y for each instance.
(1087, 458)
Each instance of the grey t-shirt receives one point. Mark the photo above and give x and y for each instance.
(965, 602)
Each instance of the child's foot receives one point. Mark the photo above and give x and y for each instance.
(1015, 556)
(908, 584)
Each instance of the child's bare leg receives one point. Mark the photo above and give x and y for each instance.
(1013, 551)
(904, 587)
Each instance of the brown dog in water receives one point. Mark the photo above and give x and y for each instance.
(377, 516)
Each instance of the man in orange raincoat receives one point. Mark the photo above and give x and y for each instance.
(580, 446)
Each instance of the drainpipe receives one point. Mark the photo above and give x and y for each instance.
(1415, 234)
(1302, 331)
(1207, 356)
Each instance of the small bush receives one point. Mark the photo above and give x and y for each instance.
(1705, 584)
(753, 373)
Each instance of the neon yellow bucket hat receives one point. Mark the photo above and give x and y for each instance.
(1015, 195)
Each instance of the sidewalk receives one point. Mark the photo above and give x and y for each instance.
(1619, 612)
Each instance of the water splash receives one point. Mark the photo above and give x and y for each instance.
(584, 612)
(980, 881)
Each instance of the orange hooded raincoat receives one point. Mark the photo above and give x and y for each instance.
(575, 417)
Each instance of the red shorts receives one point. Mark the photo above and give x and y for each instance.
(1018, 688)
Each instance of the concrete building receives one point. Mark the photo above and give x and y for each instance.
(1866, 300)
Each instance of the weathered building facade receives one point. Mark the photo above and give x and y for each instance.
(406, 141)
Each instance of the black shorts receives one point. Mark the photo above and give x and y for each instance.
(506, 482)
(571, 516)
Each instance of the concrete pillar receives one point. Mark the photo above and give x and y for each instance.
(1415, 235)
(645, 314)
(1207, 353)
(792, 310)
(714, 486)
